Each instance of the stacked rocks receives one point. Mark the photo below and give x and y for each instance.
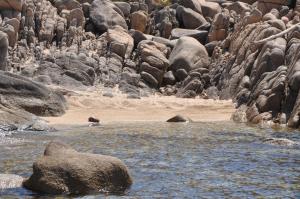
(189, 48)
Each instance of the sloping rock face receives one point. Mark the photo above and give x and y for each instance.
(22, 100)
(262, 76)
(20, 92)
(67, 69)
(63, 170)
(291, 104)
(12, 119)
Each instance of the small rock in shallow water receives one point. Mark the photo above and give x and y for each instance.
(94, 120)
(179, 118)
(9, 181)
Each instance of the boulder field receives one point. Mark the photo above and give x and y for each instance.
(247, 51)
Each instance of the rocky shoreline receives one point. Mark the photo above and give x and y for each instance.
(185, 48)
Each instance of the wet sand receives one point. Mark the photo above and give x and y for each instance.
(83, 105)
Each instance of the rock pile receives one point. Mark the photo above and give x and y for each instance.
(187, 48)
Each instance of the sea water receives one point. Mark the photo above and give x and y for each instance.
(182, 160)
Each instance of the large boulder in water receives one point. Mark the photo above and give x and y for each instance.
(188, 54)
(63, 170)
(19, 92)
(104, 14)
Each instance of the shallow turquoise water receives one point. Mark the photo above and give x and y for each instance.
(196, 160)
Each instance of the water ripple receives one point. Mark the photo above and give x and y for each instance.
(207, 160)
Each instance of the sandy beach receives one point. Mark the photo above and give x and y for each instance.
(85, 104)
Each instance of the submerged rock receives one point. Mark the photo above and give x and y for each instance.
(279, 141)
(179, 118)
(63, 170)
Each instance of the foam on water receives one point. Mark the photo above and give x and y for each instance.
(6, 139)
(10, 181)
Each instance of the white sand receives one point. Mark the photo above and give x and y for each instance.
(154, 108)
